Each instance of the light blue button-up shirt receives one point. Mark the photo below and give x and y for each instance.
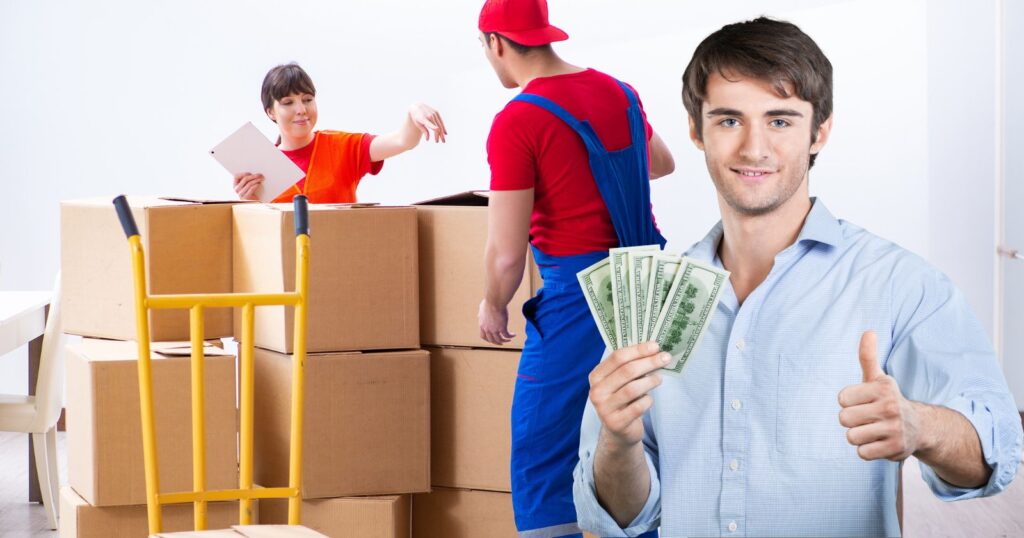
(747, 442)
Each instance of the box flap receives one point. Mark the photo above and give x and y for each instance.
(204, 200)
(466, 198)
(288, 208)
(184, 349)
(96, 349)
(276, 531)
(354, 204)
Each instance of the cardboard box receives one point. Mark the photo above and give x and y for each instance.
(363, 288)
(452, 238)
(470, 409)
(105, 460)
(461, 513)
(366, 429)
(79, 519)
(188, 250)
(365, 517)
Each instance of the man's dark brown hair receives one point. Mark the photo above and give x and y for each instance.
(774, 51)
(523, 50)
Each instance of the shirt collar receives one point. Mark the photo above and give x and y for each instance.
(819, 226)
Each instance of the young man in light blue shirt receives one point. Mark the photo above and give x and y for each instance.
(833, 356)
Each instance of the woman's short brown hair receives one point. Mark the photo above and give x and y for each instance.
(774, 51)
(285, 80)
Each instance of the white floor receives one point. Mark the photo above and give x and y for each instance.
(999, 516)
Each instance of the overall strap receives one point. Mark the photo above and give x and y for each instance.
(582, 128)
(630, 95)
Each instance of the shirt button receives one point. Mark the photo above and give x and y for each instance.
(734, 465)
(733, 526)
(740, 344)
(736, 405)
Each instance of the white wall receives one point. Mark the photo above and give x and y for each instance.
(1013, 199)
(124, 96)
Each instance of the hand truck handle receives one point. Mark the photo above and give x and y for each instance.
(124, 214)
(301, 215)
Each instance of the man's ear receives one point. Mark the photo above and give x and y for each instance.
(496, 44)
(695, 135)
(822, 134)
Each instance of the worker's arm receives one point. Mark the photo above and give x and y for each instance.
(508, 235)
(420, 121)
(662, 163)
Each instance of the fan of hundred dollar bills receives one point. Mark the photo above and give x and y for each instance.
(638, 294)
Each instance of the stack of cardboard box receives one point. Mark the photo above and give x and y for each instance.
(188, 251)
(471, 381)
(367, 417)
(367, 385)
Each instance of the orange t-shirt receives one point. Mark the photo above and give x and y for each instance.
(336, 162)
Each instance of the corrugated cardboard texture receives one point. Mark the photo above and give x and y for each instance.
(459, 513)
(188, 250)
(78, 519)
(452, 241)
(105, 461)
(365, 517)
(363, 265)
(470, 407)
(367, 422)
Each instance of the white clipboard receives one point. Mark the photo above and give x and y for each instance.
(247, 150)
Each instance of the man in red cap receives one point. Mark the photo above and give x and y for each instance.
(571, 159)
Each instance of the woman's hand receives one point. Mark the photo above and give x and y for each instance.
(428, 120)
(246, 185)
(420, 122)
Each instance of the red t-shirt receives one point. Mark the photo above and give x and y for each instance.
(529, 147)
(302, 156)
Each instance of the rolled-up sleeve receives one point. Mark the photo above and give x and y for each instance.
(941, 355)
(590, 515)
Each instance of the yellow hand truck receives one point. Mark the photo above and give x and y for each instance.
(144, 302)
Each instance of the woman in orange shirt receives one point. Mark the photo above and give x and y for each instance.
(334, 161)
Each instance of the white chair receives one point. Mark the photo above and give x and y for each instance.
(38, 414)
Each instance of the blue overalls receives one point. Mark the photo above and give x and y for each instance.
(562, 341)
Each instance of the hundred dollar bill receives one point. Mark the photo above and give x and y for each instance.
(688, 310)
(638, 271)
(596, 282)
(663, 273)
(622, 300)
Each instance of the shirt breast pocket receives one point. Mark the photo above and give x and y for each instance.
(807, 423)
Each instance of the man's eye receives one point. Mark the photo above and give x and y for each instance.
(729, 122)
(779, 123)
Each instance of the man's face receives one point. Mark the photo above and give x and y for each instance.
(757, 145)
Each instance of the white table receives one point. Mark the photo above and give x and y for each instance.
(22, 321)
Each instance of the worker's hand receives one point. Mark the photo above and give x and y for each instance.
(494, 324)
(882, 423)
(428, 120)
(620, 389)
(246, 185)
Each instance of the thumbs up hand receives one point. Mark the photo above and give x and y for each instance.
(882, 423)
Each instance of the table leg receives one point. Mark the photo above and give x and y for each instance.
(35, 350)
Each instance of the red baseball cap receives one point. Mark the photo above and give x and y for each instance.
(522, 21)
